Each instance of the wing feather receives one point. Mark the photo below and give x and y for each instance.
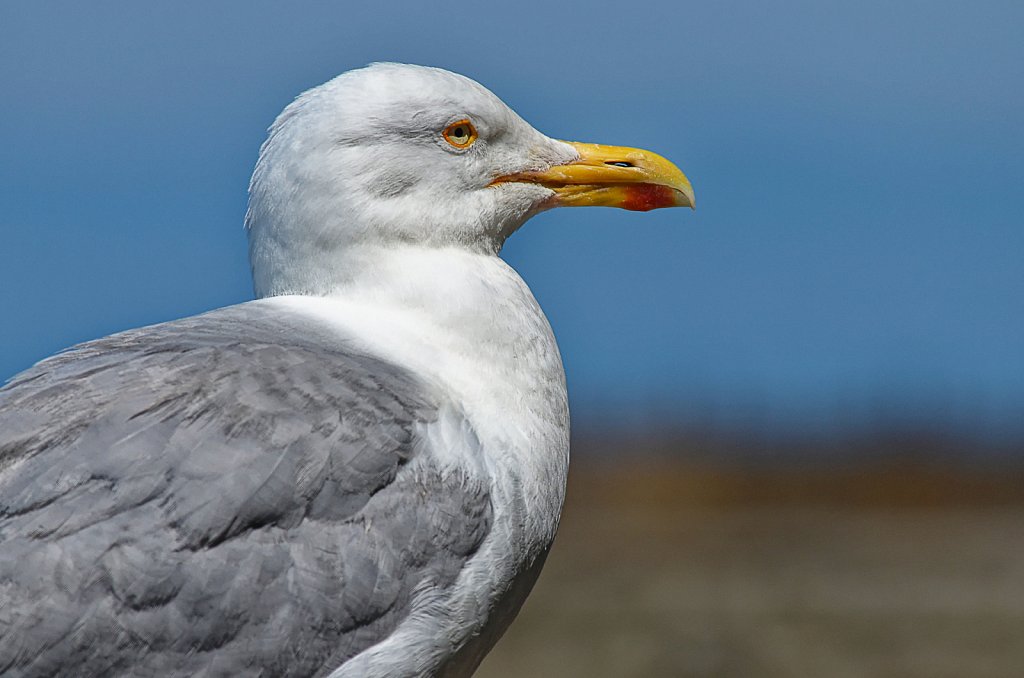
(223, 494)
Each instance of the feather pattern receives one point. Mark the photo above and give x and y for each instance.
(222, 495)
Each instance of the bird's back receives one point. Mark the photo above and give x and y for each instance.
(222, 495)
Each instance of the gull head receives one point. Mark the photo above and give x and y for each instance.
(393, 155)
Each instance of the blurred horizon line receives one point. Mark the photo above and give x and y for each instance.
(907, 442)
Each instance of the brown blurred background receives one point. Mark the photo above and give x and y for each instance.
(686, 558)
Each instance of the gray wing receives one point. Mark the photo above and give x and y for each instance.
(220, 495)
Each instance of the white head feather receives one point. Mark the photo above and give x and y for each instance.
(359, 163)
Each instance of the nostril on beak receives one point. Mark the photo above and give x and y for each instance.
(618, 163)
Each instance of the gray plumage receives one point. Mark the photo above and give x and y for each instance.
(226, 494)
(359, 474)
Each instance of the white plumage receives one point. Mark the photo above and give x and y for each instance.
(359, 473)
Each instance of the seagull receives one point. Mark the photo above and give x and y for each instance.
(358, 473)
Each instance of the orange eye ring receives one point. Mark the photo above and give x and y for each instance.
(460, 134)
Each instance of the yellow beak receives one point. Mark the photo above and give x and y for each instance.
(613, 176)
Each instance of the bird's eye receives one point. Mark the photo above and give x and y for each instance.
(460, 134)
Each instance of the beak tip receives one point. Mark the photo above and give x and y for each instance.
(686, 199)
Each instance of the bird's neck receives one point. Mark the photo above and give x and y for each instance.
(469, 322)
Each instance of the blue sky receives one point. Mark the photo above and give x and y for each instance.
(857, 257)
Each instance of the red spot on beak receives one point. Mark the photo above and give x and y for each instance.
(645, 197)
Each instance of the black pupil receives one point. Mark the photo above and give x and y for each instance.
(459, 132)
